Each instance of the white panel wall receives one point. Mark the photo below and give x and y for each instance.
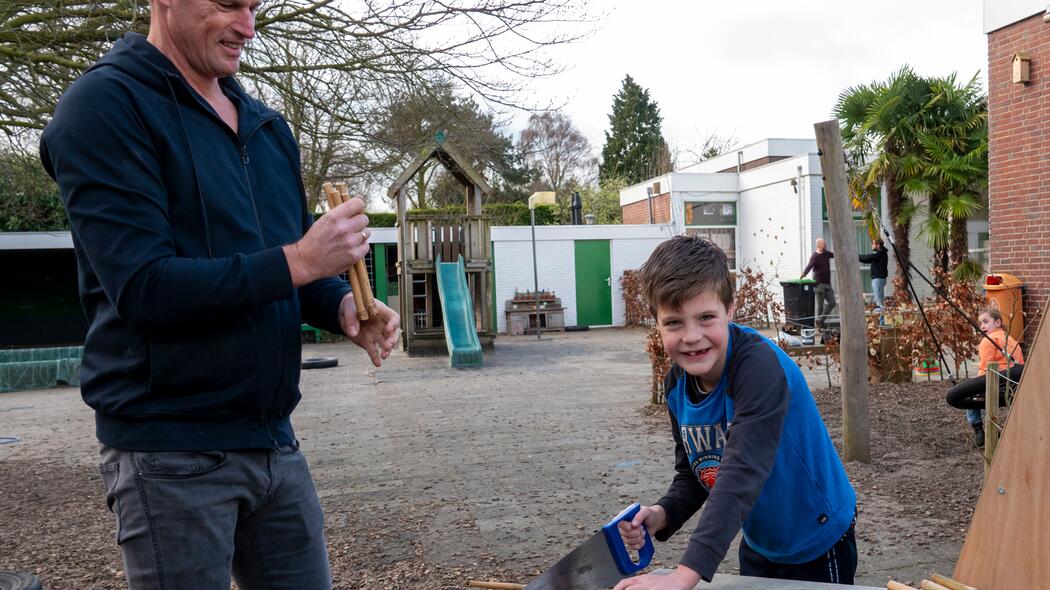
(556, 272)
(768, 221)
(59, 240)
(628, 254)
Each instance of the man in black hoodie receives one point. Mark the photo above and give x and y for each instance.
(879, 261)
(198, 261)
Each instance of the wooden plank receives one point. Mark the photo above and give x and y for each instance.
(1006, 546)
(991, 413)
(731, 582)
(856, 436)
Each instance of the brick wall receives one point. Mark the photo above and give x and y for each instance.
(638, 212)
(1019, 161)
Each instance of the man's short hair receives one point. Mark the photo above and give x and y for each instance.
(682, 268)
(879, 242)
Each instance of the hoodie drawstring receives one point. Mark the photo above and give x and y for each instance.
(193, 162)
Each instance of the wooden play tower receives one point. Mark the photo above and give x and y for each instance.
(423, 238)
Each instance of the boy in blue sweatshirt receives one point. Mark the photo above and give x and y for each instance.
(749, 441)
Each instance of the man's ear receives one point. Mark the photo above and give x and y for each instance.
(731, 310)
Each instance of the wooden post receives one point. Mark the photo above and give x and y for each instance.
(991, 412)
(404, 292)
(856, 443)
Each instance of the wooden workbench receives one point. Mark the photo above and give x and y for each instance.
(731, 582)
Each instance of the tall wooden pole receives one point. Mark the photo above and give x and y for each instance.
(856, 440)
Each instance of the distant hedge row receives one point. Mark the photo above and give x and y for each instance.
(501, 213)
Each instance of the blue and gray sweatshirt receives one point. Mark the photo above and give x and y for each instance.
(178, 224)
(755, 453)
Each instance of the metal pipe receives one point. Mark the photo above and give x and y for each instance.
(802, 242)
(535, 271)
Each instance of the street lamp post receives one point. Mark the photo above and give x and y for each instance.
(539, 198)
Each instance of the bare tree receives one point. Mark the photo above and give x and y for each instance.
(713, 144)
(372, 47)
(559, 151)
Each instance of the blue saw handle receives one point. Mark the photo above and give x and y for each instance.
(619, 550)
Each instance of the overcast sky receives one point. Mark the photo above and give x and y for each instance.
(757, 68)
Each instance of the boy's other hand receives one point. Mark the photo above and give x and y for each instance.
(682, 578)
(654, 519)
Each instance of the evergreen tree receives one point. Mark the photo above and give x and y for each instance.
(634, 149)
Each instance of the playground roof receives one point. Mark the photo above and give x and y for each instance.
(457, 166)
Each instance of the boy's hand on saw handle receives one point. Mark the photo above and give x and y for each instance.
(632, 532)
(332, 245)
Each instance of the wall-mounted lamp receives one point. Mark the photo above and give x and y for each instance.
(794, 185)
(1022, 68)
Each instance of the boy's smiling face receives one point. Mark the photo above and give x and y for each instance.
(697, 335)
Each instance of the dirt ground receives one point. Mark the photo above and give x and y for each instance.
(431, 477)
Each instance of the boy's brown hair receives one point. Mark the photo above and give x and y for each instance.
(682, 268)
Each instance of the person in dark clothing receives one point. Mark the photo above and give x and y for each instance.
(750, 445)
(820, 264)
(879, 261)
(198, 261)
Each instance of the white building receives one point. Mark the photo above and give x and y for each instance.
(764, 205)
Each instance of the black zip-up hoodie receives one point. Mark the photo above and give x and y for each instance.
(177, 225)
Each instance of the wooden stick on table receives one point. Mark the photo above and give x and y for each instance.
(894, 585)
(334, 200)
(950, 583)
(928, 585)
(495, 585)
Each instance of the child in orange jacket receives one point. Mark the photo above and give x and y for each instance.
(969, 395)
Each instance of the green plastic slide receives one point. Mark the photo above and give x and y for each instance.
(457, 312)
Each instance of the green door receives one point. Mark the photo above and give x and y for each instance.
(593, 283)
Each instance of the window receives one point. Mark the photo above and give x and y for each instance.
(711, 213)
(857, 213)
(716, 221)
(980, 253)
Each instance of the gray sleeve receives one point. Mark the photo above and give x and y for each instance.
(760, 394)
(685, 495)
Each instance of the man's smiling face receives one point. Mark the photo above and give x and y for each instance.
(209, 35)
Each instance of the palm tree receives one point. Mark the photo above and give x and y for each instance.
(953, 170)
(881, 130)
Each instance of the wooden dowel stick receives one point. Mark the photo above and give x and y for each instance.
(892, 585)
(362, 277)
(495, 585)
(334, 201)
(950, 583)
(928, 585)
(359, 266)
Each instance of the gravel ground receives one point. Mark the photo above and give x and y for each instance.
(431, 477)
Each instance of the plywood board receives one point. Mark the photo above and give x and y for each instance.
(1008, 544)
(731, 582)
